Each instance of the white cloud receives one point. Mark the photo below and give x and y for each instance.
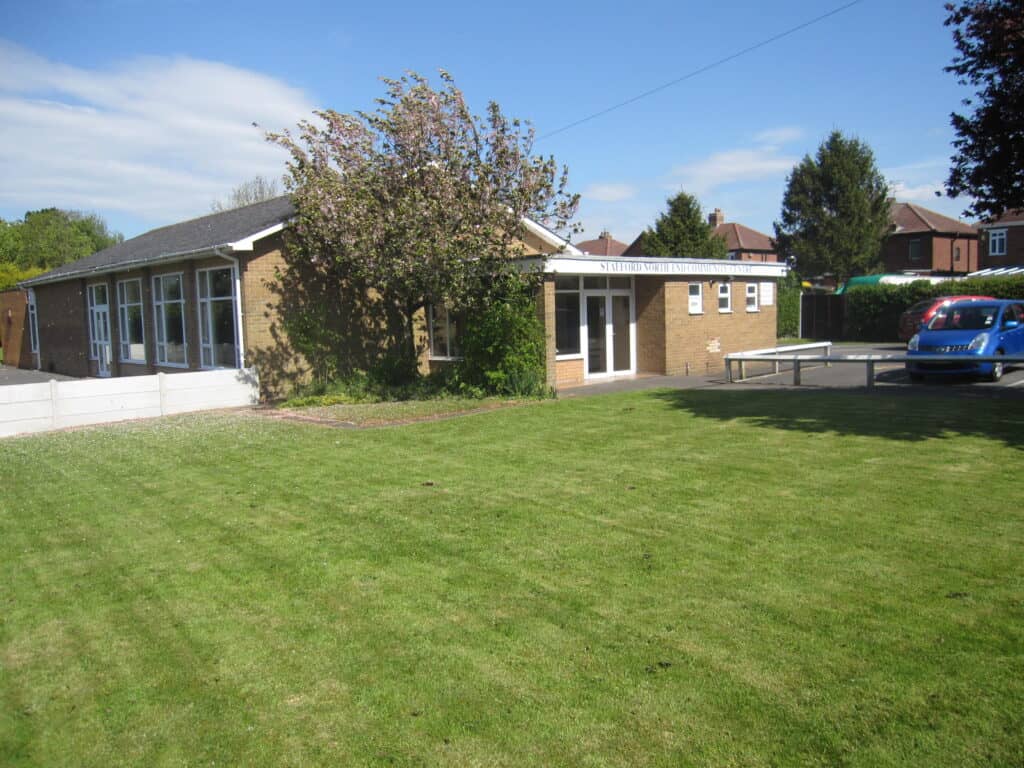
(723, 168)
(156, 138)
(777, 136)
(609, 193)
(923, 193)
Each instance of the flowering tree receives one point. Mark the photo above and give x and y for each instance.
(420, 200)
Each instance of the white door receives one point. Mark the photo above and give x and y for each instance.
(610, 343)
(99, 328)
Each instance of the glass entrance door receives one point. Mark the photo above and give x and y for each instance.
(609, 316)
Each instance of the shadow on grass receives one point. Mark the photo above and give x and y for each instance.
(906, 416)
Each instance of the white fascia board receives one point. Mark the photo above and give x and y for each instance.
(1003, 225)
(559, 244)
(246, 244)
(567, 265)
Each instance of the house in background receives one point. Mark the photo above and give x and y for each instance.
(1002, 241)
(604, 245)
(743, 243)
(925, 242)
(217, 291)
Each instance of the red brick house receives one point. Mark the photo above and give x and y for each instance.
(604, 245)
(743, 243)
(1002, 241)
(926, 242)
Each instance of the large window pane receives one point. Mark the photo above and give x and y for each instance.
(567, 323)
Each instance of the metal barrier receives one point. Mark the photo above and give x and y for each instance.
(870, 361)
(742, 357)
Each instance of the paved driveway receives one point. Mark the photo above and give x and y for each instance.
(10, 375)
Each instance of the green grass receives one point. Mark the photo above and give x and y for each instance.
(402, 411)
(666, 578)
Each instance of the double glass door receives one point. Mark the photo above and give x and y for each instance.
(609, 317)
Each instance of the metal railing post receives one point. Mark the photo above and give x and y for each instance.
(796, 373)
(871, 373)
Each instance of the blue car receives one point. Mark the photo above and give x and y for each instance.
(966, 330)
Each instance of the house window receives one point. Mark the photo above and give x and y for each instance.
(129, 313)
(98, 300)
(997, 242)
(169, 319)
(956, 253)
(696, 292)
(567, 316)
(914, 253)
(752, 297)
(725, 297)
(33, 323)
(444, 334)
(217, 312)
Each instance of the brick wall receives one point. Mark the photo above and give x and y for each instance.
(650, 324)
(63, 328)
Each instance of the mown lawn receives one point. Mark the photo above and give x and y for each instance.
(691, 578)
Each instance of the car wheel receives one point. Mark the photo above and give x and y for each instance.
(997, 369)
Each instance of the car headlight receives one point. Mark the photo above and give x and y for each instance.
(978, 342)
(912, 344)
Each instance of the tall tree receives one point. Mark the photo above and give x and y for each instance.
(835, 211)
(988, 163)
(50, 237)
(420, 199)
(682, 231)
(256, 190)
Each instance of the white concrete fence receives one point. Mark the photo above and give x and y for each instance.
(58, 404)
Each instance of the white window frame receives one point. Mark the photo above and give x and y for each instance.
(579, 318)
(448, 335)
(767, 297)
(995, 235)
(751, 292)
(695, 307)
(159, 315)
(122, 321)
(33, 324)
(727, 294)
(201, 275)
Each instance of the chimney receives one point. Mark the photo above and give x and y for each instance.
(605, 235)
(716, 218)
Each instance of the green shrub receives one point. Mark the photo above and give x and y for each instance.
(873, 311)
(788, 306)
(503, 348)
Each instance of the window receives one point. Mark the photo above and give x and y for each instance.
(752, 297)
(725, 297)
(33, 322)
(567, 316)
(696, 291)
(444, 334)
(767, 294)
(997, 242)
(217, 311)
(914, 252)
(97, 295)
(169, 320)
(129, 313)
(956, 253)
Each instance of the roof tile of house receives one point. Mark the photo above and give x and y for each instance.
(1010, 217)
(604, 245)
(204, 233)
(740, 238)
(909, 218)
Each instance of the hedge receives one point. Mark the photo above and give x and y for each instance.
(873, 311)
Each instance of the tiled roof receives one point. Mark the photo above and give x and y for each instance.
(604, 245)
(1010, 217)
(196, 235)
(909, 218)
(740, 238)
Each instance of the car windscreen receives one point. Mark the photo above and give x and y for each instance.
(960, 317)
(920, 307)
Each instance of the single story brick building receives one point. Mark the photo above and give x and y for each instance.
(207, 293)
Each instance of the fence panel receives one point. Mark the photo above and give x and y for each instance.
(822, 316)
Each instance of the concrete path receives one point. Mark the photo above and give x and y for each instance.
(10, 375)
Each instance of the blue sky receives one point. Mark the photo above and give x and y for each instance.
(143, 111)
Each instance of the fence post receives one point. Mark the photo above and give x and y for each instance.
(161, 384)
(871, 373)
(53, 403)
(743, 369)
(796, 373)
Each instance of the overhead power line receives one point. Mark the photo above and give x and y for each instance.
(702, 70)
